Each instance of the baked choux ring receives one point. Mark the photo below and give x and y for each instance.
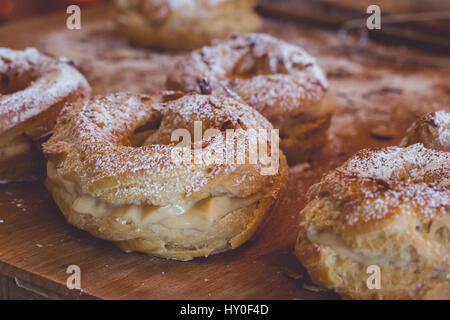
(385, 209)
(33, 88)
(433, 130)
(188, 24)
(111, 172)
(276, 78)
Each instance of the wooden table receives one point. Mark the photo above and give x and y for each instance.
(376, 102)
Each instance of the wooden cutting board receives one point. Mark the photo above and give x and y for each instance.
(376, 102)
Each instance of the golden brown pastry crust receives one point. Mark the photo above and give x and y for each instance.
(33, 89)
(388, 207)
(276, 78)
(432, 129)
(178, 25)
(91, 147)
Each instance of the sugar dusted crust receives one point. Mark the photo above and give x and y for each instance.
(91, 148)
(32, 83)
(388, 207)
(276, 78)
(33, 89)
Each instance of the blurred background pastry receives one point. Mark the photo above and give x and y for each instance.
(33, 89)
(280, 80)
(432, 129)
(173, 24)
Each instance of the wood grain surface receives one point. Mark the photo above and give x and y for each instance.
(376, 102)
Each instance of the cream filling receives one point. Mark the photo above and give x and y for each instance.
(338, 245)
(197, 215)
(14, 148)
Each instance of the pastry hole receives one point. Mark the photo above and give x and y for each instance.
(142, 132)
(249, 66)
(228, 124)
(10, 83)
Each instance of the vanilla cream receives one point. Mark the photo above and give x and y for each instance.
(337, 244)
(198, 215)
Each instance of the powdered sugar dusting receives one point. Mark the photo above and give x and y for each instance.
(94, 139)
(51, 81)
(433, 130)
(267, 73)
(378, 184)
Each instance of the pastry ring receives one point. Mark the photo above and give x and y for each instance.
(384, 208)
(33, 89)
(276, 78)
(111, 172)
